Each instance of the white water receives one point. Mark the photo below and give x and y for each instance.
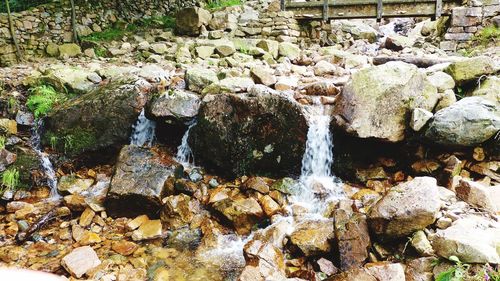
(47, 167)
(143, 133)
(184, 152)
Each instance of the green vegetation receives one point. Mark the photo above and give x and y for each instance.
(21, 5)
(10, 179)
(488, 35)
(42, 99)
(71, 142)
(2, 142)
(218, 4)
(462, 272)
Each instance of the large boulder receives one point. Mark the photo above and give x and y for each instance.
(100, 119)
(488, 89)
(190, 20)
(313, 237)
(76, 80)
(377, 101)
(472, 239)
(257, 132)
(406, 208)
(243, 213)
(471, 69)
(468, 122)
(175, 105)
(137, 183)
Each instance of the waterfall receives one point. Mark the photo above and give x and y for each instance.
(47, 166)
(317, 185)
(143, 133)
(184, 152)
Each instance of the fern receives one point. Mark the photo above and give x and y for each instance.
(42, 99)
(10, 178)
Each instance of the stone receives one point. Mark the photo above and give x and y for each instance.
(8, 127)
(124, 248)
(137, 183)
(480, 196)
(381, 111)
(270, 46)
(80, 261)
(52, 50)
(224, 47)
(488, 89)
(89, 238)
(420, 242)
(446, 99)
(313, 237)
(471, 69)
(420, 269)
(263, 76)
(267, 262)
(441, 81)
(223, 21)
(326, 266)
(286, 83)
(323, 68)
(236, 134)
(86, 217)
(351, 232)
(472, 239)
(92, 126)
(398, 42)
(136, 222)
(289, 50)
(159, 48)
(65, 78)
(175, 105)
(205, 52)
(373, 272)
(72, 185)
(419, 118)
(406, 208)
(150, 229)
(479, 120)
(230, 85)
(179, 210)
(199, 78)
(242, 213)
(257, 184)
(69, 50)
(269, 206)
(190, 20)
(321, 88)
(359, 30)
(153, 73)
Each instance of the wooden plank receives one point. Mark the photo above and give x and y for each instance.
(356, 2)
(439, 8)
(379, 10)
(325, 10)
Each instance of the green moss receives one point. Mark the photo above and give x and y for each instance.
(71, 142)
(42, 100)
(105, 35)
(488, 35)
(25, 163)
(219, 4)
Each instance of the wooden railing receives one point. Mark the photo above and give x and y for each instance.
(346, 9)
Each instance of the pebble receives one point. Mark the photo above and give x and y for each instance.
(80, 261)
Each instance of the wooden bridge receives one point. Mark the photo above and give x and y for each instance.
(350, 9)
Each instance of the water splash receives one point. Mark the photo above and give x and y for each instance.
(184, 152)
(317, 185)
(143, 133)
(47, 167)
(227, 254)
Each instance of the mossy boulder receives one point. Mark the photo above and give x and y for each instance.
(489, 89)
(471, 69)
(260, 132)
(377, 101)
(98, 120)
(26, 163)
(69, 50)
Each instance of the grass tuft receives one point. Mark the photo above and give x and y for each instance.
(10, 179)
(219, 4)
(42, 100)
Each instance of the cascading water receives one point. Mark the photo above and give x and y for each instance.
(184, 152)
(47, 166)
(143, 133)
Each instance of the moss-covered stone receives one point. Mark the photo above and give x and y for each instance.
(470, 69)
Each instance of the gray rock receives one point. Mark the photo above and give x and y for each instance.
(199, 78)
(408, 207)
(137, 183)
(179, 105)
(468, 122)
(69, 50)
(264, 76)
(419, 118)
(441, 81)
(488, 89)
(480, 196)
(190, 20)
(230, 85)
(359, 30)
(158, 48)
(377, 101)
(289, 50)
(471, 69)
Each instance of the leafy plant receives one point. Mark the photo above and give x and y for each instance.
(10, 178)
(42, 99)
(2, 142)
(489, 34)
(218, 4)
(461, 272)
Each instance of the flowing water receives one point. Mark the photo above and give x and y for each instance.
(184, 152)
(143, 133)
(47, 167)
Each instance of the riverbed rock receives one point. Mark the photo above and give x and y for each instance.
(420, 269)
(359, 30)
(80, 261)
(69, 50)
(100, 119)
(488, 89)
(265, 262)
(199, 78)
(73, 185)
(441, 81)
(479, 195)
(373, 272)
(289, 50)
(479, 120)
(6, 158)
(179, 210)
(472, 239)
(190, 20)
(137, 183)
(176, 105)
(377, 101)
(258, 132)
(229, 85)
(72, 79)
(351, 231)
(313, 237)
(419, 118)
(264, 76)
(406, 208)
(242, 213)
(470, 69)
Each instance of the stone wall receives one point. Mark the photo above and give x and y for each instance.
(468, 21)
(37, 27)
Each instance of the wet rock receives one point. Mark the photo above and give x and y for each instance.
(242, 213)
(86, 217)
(351, 231)
(472, 239)
(479, 195)
(381, 111)
(269, 206)
(322, 88)
(190, 20)
(177, 105)
(136, 222)
(471, 69)
(198, 78)
(185, 238)
(259, 132)
(6, 158)
(80, 261)
(25, 118)
(479, 120)
(100, 119)
(257, 184)
(266, 263)
(73, 185)
(89, 238)
(373, 272)
(179, 210)
(137, 183)
(284, 185)
(263, 76)
(313, 237)
(124, 248)
(408, 207)
(149, 229)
